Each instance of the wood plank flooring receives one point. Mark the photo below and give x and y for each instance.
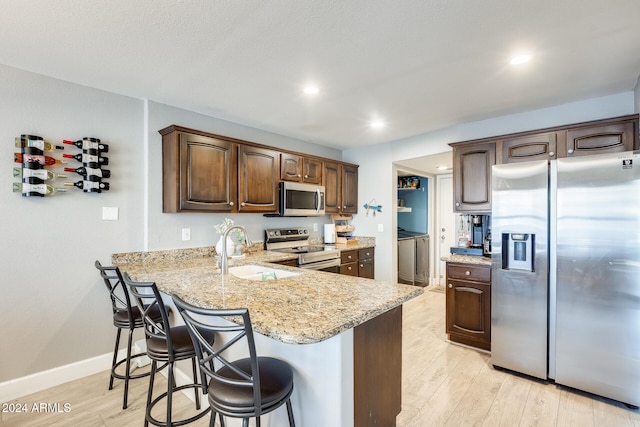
(443, 385)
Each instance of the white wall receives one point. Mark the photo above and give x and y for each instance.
(53, 308)
(377, 174)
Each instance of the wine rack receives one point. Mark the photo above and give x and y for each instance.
(36, 179)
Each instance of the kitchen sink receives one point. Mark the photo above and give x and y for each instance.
(260, 273)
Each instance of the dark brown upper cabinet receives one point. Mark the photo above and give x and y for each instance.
(198, 173)
(600, 138)
(258, 172)
(540, 146)
(300, 169)
(341, 187)
(472, 177)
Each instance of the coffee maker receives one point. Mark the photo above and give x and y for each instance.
(481, 233)
(476, 237)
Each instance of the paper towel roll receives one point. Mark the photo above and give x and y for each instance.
(329, 233)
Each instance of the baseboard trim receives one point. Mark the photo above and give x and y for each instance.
(19, 387)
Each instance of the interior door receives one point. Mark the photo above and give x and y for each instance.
(446, 220)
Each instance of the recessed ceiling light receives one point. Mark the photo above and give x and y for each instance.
(311, 90)
(443, 167)
(520, 59)
(377, 124)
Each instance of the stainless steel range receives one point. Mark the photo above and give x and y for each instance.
(296, 241)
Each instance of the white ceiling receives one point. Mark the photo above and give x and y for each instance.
(419, 65)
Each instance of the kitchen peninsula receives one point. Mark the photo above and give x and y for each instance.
(341, 334)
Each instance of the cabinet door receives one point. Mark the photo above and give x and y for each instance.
(350, 269)
(332, 179)
(198, 173)
(472, 177)
(311, 171)
(290, 167)
(468, 314)
(366, 264)
(349, 189)
(525, 148)
(258, 171)
(605, 138)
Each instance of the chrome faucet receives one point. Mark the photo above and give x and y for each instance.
(224, 261)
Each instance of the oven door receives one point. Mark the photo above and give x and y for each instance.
(330, 266)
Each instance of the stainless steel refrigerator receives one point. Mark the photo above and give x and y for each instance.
(566, 272)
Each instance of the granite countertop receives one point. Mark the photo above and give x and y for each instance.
(467, 259)
(308, 308)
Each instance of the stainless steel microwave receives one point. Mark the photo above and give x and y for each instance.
(301, 199)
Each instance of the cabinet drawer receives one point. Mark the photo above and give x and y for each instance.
(350, 269)
(365, 253)
(348, 256)
(469, 272)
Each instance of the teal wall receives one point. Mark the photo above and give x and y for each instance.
(417, 219)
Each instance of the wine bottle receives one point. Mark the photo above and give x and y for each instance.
(31, 158)
(42, 174)
(89, 143)
(88, 159)
(89, 186)
(39, 190)
(35, 141)
(87, 171)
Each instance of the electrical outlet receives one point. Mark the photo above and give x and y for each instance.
(380, 228)
(186, 234)
(315, 226)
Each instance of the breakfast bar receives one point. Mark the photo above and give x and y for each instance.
(341, 334)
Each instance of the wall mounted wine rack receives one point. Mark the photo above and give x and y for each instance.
(37, 180)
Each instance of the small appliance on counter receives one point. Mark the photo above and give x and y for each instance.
(474, 237)
(330, 233)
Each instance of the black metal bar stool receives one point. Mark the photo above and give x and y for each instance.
(125, 316)
(244, 388)
(165, 344)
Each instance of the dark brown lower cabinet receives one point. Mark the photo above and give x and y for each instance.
(377, 365)
(468, 313)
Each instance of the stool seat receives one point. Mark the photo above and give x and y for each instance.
(276, 383)
(181, 343)
(121, 317)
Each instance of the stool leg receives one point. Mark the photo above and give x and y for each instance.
(290, 413)
(127, 372)
(115, 358)
(152, 377)
(170, 387)
(195, 381)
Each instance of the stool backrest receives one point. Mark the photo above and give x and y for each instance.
(149, 301)
(233, 329)
(120, 300)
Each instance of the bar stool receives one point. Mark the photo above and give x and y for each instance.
(165, 344)
(125, 316)
(243, 388)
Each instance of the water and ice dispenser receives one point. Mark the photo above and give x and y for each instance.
(517, 251)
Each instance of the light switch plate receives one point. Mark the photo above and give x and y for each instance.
(109, 213)
(186, 234)
(380, 228)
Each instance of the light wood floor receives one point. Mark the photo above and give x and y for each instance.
(443, 385)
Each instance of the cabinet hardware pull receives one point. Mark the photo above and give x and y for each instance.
(551, 154)
(299, 176)
(457, 203)
(467, 273)
(450, 286)
(306, 176)
(243, 204)
(230, 203)
(570, 151)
